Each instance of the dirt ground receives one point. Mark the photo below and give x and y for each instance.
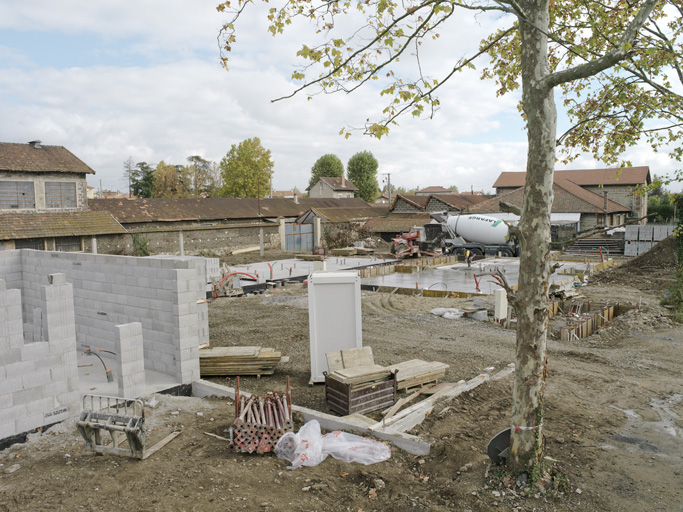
(613, 420)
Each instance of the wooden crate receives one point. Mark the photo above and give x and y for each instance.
(345, 398)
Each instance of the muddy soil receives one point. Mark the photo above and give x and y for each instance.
(613, 422)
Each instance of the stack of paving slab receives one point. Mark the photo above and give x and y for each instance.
(238, 361)
(640, 239)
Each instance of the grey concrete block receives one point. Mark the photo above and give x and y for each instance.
(37, 378)
(6, 400)
(35, 351)
(11, 385)
(6, 429)
(11, 414)
(28, 396)
(20, 369)
(29, 422)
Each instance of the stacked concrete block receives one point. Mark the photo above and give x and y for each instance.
(38, 380)
(645, 233)
(130, 360)
(631, 233)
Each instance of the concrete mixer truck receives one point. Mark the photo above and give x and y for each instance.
(456, 234)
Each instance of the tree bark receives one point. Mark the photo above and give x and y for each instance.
(526, 448)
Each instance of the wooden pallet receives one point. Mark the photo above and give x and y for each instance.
(238, 361)
(417, 373)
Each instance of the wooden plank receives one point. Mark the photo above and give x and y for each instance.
(354, 357)
(334, 361)
(246, 249)
(400, 403)
(229, 352)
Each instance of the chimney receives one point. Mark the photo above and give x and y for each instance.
(343, 181)
(36, 144)
(296, 198)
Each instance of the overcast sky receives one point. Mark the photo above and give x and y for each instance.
(116, 79)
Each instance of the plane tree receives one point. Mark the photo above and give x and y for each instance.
(577, 48)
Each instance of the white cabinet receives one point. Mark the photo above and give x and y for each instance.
(334, 316)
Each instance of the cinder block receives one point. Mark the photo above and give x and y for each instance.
(36, 379)
(6, 400)
(35, 351)
(11, 414)
(7, 429)
(70, 398)
(20, 369)
(28, 396)
(29, 422)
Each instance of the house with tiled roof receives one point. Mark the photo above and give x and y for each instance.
(36, 177)
(44, 200)
(332, 187)
(618, 185)
(572, 205)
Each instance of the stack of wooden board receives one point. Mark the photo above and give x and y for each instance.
(416, 373)
(238, 361)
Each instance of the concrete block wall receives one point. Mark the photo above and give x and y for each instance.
(130, 360)
(113, 290)
(38, 379)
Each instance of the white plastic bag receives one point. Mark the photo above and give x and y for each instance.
(304, 448)
(447, 313)
(353, 448)
(310, 448)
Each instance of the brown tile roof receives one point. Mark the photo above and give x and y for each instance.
(15, 226)
(350, 214)
(129, 211)
(329, 202)
(435, 190)
(585, 177)
(417, 201)
(460, 201)
(397, 222)
(27, 158)
(569, 198)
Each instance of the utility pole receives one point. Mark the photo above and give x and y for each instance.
(388, 175)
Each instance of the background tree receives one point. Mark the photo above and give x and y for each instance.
(142, 180)
(171, 181)
(327, 166)
(128, 173)
(199, 173)
(361, 170)
(660, 203)
(246, 170)
(453, 189)
(565, 47)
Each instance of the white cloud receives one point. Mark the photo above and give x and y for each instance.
(183, 103)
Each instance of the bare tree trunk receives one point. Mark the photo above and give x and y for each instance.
(532, 297)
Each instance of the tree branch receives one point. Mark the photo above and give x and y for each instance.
(610, 58)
